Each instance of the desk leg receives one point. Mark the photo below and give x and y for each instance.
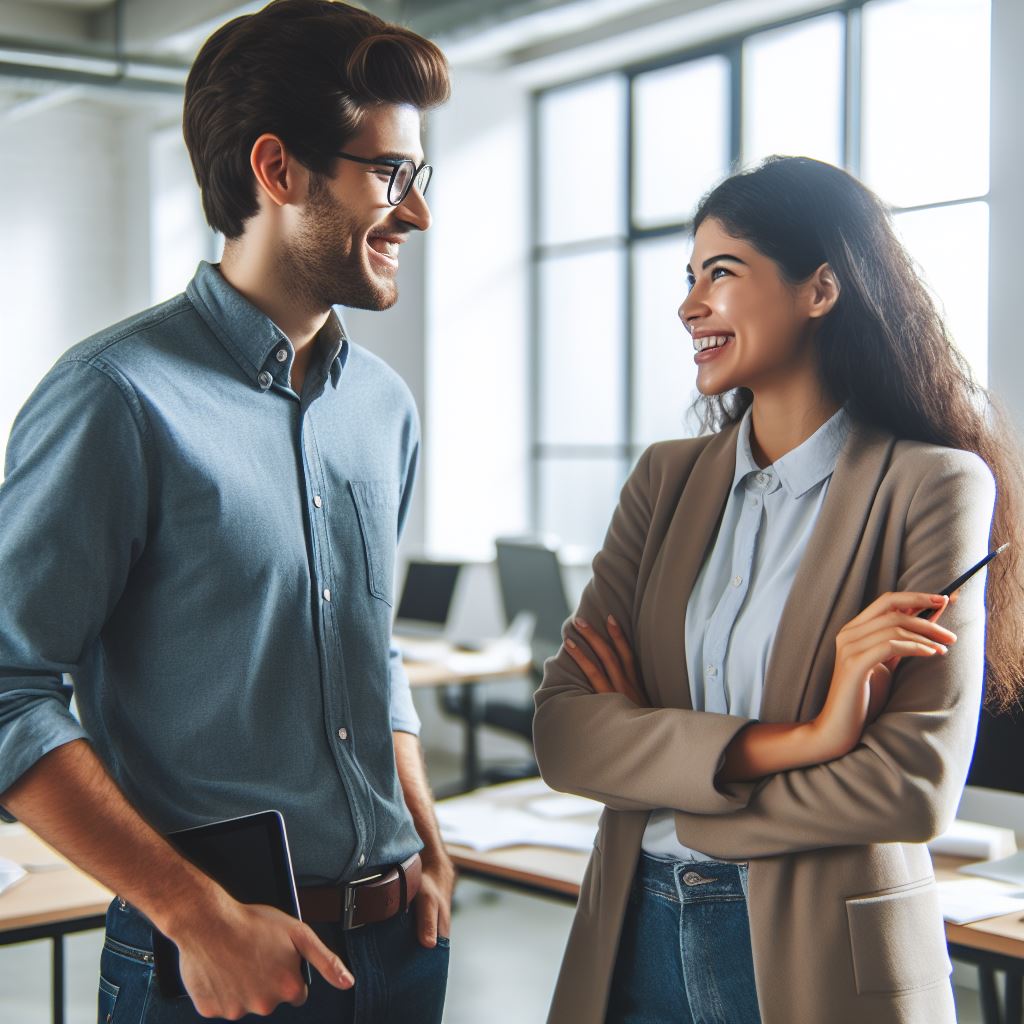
(58, 979)
(470, 750)
(990, 1012)
(1014, 993)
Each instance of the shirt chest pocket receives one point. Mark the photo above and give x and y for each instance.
(377, 511)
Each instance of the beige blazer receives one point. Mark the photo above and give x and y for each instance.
(844, 918)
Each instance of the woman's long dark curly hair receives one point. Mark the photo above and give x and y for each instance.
(884, 352)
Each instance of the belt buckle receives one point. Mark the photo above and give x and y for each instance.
(349, 903)
(349, 909)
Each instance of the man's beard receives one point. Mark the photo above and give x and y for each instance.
(318, 270)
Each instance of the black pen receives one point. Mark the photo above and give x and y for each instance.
(961, 580)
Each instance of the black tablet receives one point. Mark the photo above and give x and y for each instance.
(249, 857)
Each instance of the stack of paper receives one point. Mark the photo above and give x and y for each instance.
(10, 873)
(972, 899)
(974, 840)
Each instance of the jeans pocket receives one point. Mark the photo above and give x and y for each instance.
(126, 979)
(107, 999)
(377, 512)
(897, 939)
(444, 942)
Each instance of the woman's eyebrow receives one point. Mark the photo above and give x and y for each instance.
(707, 263)
(723, 256)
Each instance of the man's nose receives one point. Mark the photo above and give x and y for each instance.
(414, 211)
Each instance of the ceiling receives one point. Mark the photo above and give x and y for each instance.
(142, 47)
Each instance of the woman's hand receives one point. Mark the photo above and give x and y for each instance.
(868, 650)
(617, 672)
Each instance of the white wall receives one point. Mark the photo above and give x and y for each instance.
(477, 316)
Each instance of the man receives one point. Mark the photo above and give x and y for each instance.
(199, 523)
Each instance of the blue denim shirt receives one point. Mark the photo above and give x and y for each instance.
(210, 558)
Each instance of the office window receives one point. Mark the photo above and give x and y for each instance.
(680, 137)
(793, 91)
(897, 91)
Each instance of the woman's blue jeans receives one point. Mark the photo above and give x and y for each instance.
(398, 981)
(684, 953)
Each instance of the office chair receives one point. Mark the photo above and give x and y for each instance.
(530, 580)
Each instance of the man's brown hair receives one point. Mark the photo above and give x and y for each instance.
(306, 71)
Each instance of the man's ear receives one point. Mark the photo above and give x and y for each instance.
(281, 178)
(822, 292)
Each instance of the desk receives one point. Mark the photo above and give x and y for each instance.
(438, 663)
(996, 944)
(47, 904)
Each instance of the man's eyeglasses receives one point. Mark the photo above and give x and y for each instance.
(404, 174)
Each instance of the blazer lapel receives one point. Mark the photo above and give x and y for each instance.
(690, 531)
(823, 572)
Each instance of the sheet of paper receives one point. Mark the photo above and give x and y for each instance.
(10, 873)
(1008, 869)
(970, 899)
(481, 825)
(559, 805)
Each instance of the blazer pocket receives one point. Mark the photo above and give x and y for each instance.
(898, 939)
(377, 511)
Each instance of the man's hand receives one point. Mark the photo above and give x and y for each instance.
(433, 905)
(239, 958)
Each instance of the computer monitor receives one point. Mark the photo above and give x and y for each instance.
(998, 761)
(427, 596)
(530, 577)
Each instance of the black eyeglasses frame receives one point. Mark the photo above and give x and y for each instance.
(395, 164)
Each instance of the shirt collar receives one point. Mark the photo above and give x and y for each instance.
(800, 469)
(256, 343)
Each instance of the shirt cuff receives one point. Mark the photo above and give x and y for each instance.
(36, 731)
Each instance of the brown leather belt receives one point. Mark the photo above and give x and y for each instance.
(353, 904)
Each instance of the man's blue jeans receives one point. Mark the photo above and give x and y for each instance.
(398, 981)
(684, 953)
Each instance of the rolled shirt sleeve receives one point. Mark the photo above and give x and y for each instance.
(73, 511)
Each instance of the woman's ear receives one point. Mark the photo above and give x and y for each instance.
(822, 292)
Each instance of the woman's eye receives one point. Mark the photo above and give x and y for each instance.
(715, 271)
(690, 282)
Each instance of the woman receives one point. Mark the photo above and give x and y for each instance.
(747, 685)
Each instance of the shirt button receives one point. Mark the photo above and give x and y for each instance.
(327, 593)
(318, 501)
(343, 733)
(754, 502)
(362, 859)
(711, 670)
(282, 355)
(265, 379)
(737, 580)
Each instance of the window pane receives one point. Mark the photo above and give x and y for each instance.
(793, 91)
(951, 246)
(582, 161)
(664, 372)
(578, 497)
(926, 99)
(681, 138)
(582, 349)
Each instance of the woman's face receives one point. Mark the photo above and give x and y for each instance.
(750, 327)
